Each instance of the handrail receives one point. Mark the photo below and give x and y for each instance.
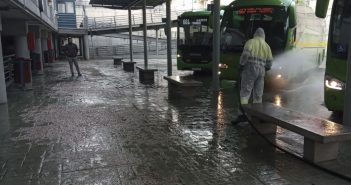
(122, 20)
(105, 22)
(107, 51)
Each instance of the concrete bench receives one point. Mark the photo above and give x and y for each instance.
(146, 75)
(321, 137)
(128, 66)
(117, 60)
(183, 86)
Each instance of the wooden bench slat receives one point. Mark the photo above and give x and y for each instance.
(311, 127)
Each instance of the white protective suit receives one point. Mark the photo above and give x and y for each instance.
(255, 60)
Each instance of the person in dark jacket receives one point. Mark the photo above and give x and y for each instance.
(71, 51)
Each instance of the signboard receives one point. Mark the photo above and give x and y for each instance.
(265, 10)
(193, 21)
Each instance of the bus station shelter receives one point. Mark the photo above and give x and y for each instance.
(143, 4)
(136, 5)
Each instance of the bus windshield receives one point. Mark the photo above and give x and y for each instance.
(239, 25)
(194, 32)
(340, 29)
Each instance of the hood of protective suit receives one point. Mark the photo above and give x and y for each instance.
(260, 33)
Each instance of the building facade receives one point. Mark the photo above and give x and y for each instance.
(32, 32)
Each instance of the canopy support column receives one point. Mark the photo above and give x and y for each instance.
(347, 102)
(169, 38)
(157, 42)
(130, 34)
(3, 92)
(216, 45)
(145, 35)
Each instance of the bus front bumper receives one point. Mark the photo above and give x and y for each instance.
(181, 65)
(334, 99)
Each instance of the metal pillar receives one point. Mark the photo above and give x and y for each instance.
(347, 101)
(4, 119)
(22, 46)
(44, 44)
(216, 45)
(169, 38)
(86, 47)
(130, 34)
(22, 51)
(157, 42)
(56, 45)
(44, 40)
(38, 48)
(3, 94)
(145, 35)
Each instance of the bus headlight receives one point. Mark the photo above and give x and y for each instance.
(333, 83)
(223, 66)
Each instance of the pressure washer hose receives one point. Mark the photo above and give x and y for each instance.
(281, 148)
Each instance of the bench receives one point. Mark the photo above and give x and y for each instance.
(128, 66)
(146, 75)
(117, 60)
(183, 86)
(321, 137)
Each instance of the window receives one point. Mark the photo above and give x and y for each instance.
(61, 8)
(196, 35)
(340, 29)
(69, 7)
(239, 25)
(195, 31)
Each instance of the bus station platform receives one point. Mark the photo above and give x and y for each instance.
(108, 128)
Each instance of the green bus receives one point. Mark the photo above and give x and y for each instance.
(195, 41)
(241, 19)
(337, 52)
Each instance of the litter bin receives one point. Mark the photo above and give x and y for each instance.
(36, 63)
(23, 73)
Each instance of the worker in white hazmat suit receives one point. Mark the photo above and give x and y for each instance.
(255, 60)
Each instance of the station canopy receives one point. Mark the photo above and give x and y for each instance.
(125, 4)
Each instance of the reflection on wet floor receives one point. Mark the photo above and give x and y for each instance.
(107, 128)
(278, 100)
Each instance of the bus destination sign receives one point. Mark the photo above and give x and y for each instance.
(194, 21)
(266, 10)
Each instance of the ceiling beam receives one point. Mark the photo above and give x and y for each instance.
(133, 4)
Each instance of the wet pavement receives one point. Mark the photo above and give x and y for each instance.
(107, 128)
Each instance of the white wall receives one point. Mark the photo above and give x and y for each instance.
(47, 15)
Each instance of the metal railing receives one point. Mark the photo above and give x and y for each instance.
(115, 50)
(122, 20)
(9, 69)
